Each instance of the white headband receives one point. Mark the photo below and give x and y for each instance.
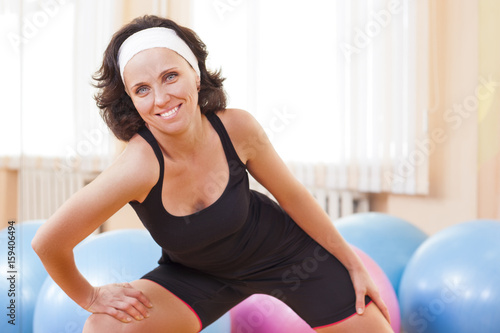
(151, 38)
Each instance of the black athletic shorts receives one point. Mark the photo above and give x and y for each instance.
(314, 284)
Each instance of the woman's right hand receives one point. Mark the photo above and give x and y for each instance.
(121, 301)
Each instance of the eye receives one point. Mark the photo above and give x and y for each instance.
(142, 90)
(170, 77)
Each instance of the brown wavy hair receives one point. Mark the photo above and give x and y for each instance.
(116, 106)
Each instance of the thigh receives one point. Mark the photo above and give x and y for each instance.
(372, 321)
(316, 286)
(168, 314)
(210, 297)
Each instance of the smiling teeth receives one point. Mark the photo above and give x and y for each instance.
(169, 113)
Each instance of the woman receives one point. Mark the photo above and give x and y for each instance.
(184, 171)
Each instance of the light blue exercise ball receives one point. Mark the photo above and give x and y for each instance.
(389, 240)
(21, 276)
(111, 257)
(452, 283)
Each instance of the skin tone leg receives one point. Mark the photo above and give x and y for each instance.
(168, 314)
(371, 321)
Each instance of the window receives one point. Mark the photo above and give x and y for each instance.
(10, 85)
(49, 50)
(336, 84)
(50, 128)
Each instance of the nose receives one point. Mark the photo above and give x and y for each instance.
(162, 97)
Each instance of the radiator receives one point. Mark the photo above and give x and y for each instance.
(337, 203)
(330, 189)
(45, 184)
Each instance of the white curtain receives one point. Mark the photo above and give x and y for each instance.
(10, 84)
(50, 127)
(340, 86)
(49, 50)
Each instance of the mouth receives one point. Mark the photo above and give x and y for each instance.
(170, 113)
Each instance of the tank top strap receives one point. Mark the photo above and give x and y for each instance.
(148, 136)
(224, 137)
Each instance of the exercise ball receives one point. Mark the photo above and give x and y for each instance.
(451, 284)
(261, 313)
(388, 240)
(221, 325)
(265, 314)
(21, 276)
(384, 287)
(111, 257)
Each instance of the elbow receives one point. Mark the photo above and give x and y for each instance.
(47, 243)
(38, 244)
(42, 243)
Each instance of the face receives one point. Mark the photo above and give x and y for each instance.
(163, 88)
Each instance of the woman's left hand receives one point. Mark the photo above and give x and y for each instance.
(364, 285)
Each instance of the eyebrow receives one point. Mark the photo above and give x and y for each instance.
(159, 76)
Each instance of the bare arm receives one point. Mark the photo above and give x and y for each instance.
(127, 179)
(268, 169)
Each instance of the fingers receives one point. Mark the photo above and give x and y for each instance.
(360, 303)
(135, 304)
(135, 293)
(130, 309)
(119, 315)
(121, 301)
(136, 309)
(364, 286)
(377, 299)
(382, 307)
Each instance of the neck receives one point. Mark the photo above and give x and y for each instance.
(183, 145)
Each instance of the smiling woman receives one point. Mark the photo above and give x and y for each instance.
(185, 172)
(116, 104)
(158, 98)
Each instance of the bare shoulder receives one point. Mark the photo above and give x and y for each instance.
(130, 177)
(140, 153)
(137, 167)
(246, 134)
(238, 120)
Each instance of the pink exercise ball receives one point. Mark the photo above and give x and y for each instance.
(384, 287)
(265, 314)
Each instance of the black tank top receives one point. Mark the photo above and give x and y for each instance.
(241, 233)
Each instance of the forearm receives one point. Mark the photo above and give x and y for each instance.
(62, 269)
(309, 215)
